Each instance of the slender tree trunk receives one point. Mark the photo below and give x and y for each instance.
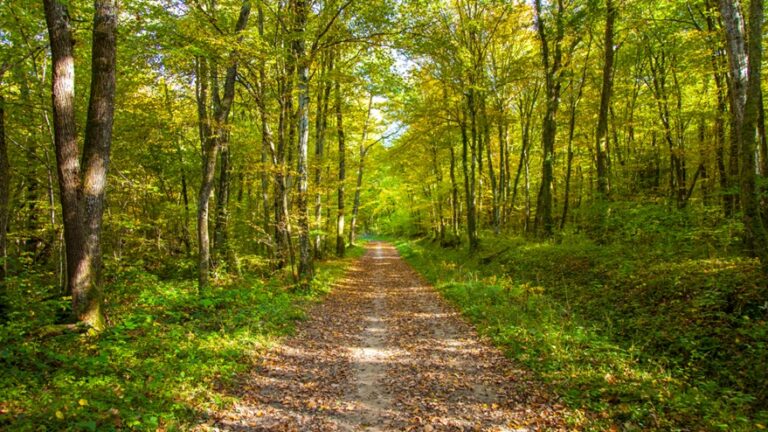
(495, 214)
(569, 168)
(321, 125)
(268, 155)
(221, 247)
(744, 47)
(360, 168)
(469, 184)
(763, 138)
(342, 172)
(285, 134)
(454, 196)
(438, 196)
(305, 271)
(503, 167)
(525, 132)
(720, 113)
(214, 137)
(603, 185)
(209, 152)
(544, 224)
(184, 191)
(5, 188)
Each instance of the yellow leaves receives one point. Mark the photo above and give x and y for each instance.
(82, 402)
(59, 415)
(760, 426)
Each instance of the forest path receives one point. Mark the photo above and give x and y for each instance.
(385, 352)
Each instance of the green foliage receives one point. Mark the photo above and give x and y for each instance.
(633, 334)
(168, 357)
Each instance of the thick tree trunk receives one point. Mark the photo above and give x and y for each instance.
(98, 138)
(83, 197)
(342, 172)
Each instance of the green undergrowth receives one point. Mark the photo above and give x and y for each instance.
(167, 358)
(630, 336)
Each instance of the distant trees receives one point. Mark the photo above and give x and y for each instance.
(651, 109)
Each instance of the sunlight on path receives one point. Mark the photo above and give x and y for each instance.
(385, 352)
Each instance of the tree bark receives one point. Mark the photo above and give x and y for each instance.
(544, 224)
(495, 193)
(82, 193)
(360, 168)
(603, 184)
(214, 136)
(321, 125)
(5, 187)
(716, 60)
(342, 172)
(469, 184)
(305, 270)
(744, 47)
(454, 196)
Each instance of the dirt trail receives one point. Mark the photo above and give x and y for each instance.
(385, 352)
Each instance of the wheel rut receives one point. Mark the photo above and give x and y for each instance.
(385, 352)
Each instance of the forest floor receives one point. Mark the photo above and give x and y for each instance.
(384, 351)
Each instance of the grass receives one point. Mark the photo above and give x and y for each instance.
(166, 359)
(629, 339)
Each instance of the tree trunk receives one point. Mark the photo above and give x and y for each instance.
(5, 187)
(454, 196)
(603, 185)
(745, 55)
(305, 270)
(82, 193)
(98, 138)
(221, 247)
(321, 125)
(495, 214)
(360, 167)
(268, 155)
(544, 224)
(342, 172)
(184, 191)
(720, 113)
(469, 183)
(214, 137)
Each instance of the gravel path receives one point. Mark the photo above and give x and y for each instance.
(385, 352)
